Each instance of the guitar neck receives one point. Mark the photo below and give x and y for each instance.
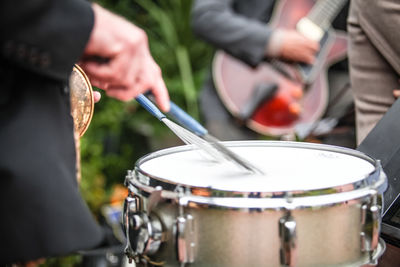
(318, 20)
(325, 11)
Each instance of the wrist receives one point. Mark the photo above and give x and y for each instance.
(274, 45)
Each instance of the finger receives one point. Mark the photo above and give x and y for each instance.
(147, 76)
(126, 91)
(101, 72)
(309, 59)
(96, 96)
(98, 84)
(95, 82)
(152, 80)
(126, 70)
(396, 93)
(128, 88)
(312, 46)
(303, 57)
(160, 92)
(120, 93)
(131, 72)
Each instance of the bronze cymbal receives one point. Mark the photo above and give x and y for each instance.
(82, 101)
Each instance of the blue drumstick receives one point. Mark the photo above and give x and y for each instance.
(186, 136)
(186, 120)
(192, 125)
(150, 107)
(175, 111)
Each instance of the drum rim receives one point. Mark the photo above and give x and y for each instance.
(144, 182)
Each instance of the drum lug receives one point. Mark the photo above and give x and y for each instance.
(185, 239)
(128, 177)
(144, 232)
(371, 221)
(288, 238)
(185, 232)
(130, 207)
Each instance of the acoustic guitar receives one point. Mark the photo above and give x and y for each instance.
(275, 97)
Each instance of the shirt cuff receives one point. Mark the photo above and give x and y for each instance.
(273, 48)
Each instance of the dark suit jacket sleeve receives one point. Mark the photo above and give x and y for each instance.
(45, 36)
(216, 22)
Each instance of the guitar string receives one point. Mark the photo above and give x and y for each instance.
(325, 9)
(324, 12)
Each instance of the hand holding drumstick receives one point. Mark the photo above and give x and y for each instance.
(130, 69)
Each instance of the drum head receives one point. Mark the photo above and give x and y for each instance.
(288, 166)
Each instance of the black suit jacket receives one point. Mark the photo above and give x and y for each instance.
(42, 212)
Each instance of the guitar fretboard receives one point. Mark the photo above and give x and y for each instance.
(324, 11)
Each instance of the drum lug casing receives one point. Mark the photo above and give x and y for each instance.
(185, 232)
(144, 231)
(288, 238)
(130, 207)
(185, 239)
(371, 221)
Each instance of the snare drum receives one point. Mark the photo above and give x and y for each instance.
(315, 205)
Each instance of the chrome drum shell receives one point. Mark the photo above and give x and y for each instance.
(234, 228)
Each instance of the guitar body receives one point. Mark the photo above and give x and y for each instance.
(279, 115)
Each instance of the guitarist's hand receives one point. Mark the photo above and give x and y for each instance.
(128, 69)
(297, 48)
(396, 92)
